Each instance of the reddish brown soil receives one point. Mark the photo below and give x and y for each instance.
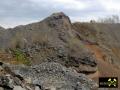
(8, 58)
(105, 69)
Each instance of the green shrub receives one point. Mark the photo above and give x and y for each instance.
(20, 57)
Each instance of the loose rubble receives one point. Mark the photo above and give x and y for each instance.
(45, 76)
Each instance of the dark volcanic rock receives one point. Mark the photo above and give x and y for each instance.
(52, 39)
(52, 76)
(50, 45)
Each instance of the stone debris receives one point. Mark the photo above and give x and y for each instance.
(45, 76)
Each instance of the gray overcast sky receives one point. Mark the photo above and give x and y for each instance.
(17, 12)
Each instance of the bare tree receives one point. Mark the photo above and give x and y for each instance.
(111, 19)
(115, 18)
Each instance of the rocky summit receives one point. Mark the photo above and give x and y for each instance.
(55, 54)
(51, 40)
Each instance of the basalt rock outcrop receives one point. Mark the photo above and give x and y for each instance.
(45, 76)
(52, 54)
(51, 40)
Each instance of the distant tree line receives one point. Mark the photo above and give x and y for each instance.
(110, 19)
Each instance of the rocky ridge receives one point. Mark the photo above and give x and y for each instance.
(55, 54)
(52, 39)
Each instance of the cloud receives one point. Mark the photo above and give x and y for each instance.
(66, 4)
(16, 12)
(111, 5)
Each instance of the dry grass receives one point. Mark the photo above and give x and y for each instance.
(105, 69)
(20, 57)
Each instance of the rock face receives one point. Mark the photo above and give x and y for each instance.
(54, 51)
(45, 76)
(58, 52)
(52, 39)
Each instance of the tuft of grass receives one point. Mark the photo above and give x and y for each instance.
(20, 57)
(75, 43)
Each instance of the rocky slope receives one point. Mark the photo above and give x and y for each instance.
(50, 47)
(45, 76)
(52, 54)
(104, 36)
(103, 41)
(52, 39)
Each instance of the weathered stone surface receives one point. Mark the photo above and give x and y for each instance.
(37, 88)
(45, 76)
(6, 82)
(18, 88)
(54, 74)
(86, 69)
(51, 40)
(52, 48)
(1, 88)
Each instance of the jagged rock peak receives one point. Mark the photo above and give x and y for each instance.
(59, 19)
(59, 15)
